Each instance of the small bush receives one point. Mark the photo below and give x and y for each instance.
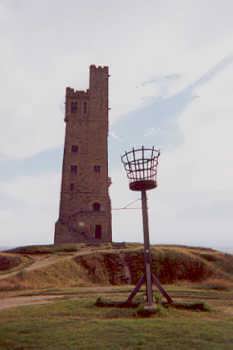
(158, 298)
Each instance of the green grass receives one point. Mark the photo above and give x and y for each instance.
(63, 248)
(79, 324)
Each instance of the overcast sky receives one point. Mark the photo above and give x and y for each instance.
(171, 85)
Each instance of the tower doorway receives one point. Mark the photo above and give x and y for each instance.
(98, 231)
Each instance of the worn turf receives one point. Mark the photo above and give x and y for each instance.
(76, 323)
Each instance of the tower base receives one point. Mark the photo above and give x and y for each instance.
(66, 234)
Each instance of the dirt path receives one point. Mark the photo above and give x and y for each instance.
(7, 303)
(44, 262)
(9, 299)
(39, 261)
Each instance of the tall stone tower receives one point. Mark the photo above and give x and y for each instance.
(85, 206)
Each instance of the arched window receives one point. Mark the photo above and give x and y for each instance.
(74, 148)
(96, 206)
(85, 107)
(74, 169)
(97, 168)
(73, 106)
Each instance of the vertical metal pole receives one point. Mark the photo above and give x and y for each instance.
(147, 255)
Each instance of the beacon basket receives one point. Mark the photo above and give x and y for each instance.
(141, 168)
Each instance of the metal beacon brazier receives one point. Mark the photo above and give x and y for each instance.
(141, 169)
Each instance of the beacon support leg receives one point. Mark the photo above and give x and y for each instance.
(147, 254)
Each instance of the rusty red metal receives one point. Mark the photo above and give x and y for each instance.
(141, 168)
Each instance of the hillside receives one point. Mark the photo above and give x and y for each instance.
(72, 265)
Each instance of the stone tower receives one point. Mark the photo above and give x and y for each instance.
(85, 206)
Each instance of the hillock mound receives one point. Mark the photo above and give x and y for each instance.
(108, 264)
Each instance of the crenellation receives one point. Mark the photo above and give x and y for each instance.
(94, 67)
(71, 93)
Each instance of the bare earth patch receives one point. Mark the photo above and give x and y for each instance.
(7, 303)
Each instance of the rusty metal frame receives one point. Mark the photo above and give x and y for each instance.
(141, 163)
(141, 169)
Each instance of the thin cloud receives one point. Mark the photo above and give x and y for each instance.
(162, 79)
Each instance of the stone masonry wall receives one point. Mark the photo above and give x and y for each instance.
(85, 206)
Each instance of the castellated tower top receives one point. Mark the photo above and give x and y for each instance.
(97, 75)
(85, 206)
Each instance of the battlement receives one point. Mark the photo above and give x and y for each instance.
(98, 83)
(97, 75)
(94, 68)
(72, 93)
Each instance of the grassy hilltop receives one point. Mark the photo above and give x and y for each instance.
(69, 279)
(108, 264)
